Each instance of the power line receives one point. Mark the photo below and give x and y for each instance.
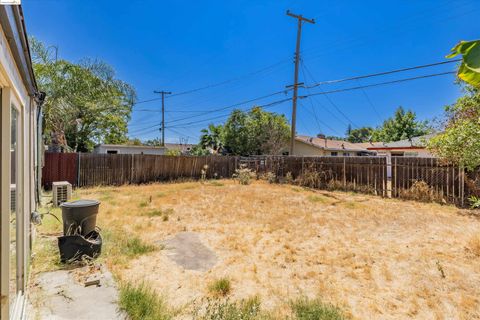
(378, 84)
(218, 83)
(330, 100)
(233, 105)
(370, 103)
(383, 73)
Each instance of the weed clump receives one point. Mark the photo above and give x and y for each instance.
(305, 309)
(164, 214)
(421, 191)
(133, 247)
(244, 175)
(248, 309)
(142, 303)
(220, 287)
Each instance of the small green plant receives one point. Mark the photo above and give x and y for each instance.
(143, 204)
(216, 184)
(142, 303)
(474, 202)
(244, 175)
(164, 214)
(315, 198)
(220, 287)
(133, 247)
(173, 153)
(305, 309)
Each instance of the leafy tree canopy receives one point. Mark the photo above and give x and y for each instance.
(460, 141)
(469, 70)
(363, 134)
(211, 138)
(248, 133)
(85, 103)
(403, 125)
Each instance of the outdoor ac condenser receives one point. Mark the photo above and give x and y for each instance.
(62, 192)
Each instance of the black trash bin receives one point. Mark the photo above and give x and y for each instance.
(79, 217)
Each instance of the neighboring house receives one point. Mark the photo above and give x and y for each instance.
(20, 126)
(318, 146)
(134, 149)
(414, 147)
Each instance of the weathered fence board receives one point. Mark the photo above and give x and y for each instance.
(59, 167)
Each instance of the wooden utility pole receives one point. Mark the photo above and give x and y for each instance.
(162, 129)
(300, 19)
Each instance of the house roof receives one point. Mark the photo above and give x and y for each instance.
(328, 144)
(13, 24)
(413, 143)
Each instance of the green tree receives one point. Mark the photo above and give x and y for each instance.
(85, 103)
(363, 134)
(403, 125)
(469, 70)
(211, 138)
(156, 142)
(255, 132)
(198, 150)
(460, 141)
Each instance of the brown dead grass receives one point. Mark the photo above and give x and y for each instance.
(376, 258)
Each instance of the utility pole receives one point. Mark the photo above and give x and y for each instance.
(162, 129)
(300, 19)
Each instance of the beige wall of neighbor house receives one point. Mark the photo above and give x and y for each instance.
(314, 146)
(18, 114)
(133, 149)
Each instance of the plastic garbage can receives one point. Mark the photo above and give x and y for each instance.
(79, 217)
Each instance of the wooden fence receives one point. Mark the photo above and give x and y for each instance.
(403, 177)
(88, 169)
(363, 174)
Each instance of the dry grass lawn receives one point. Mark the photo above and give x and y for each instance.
(375, 258)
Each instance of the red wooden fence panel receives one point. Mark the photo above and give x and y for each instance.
(59, 167)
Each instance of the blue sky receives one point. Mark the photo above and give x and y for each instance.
(182, 45)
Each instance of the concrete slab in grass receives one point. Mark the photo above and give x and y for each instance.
(63, 296)
(187, 250)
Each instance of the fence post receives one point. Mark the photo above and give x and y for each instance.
(344, 174)
(78, 170)
(131, 169)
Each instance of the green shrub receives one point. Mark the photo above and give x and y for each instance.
(474, 202)
(305, 309)
(220, 287)
(142, 303)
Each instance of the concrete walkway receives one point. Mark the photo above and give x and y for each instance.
(63, 295)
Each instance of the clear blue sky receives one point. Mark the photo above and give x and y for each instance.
(182, 45)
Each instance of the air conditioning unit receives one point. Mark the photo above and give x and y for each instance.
(62, 192)
(13, 197)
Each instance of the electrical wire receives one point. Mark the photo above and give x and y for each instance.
(377, 84)
(382, 73)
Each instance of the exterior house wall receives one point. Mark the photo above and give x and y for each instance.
(303, 149)
(15, 226)
(103, 149)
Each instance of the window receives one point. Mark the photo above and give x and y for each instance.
(346, 154)
(15, 203)
(112, 151)
(334, 154)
